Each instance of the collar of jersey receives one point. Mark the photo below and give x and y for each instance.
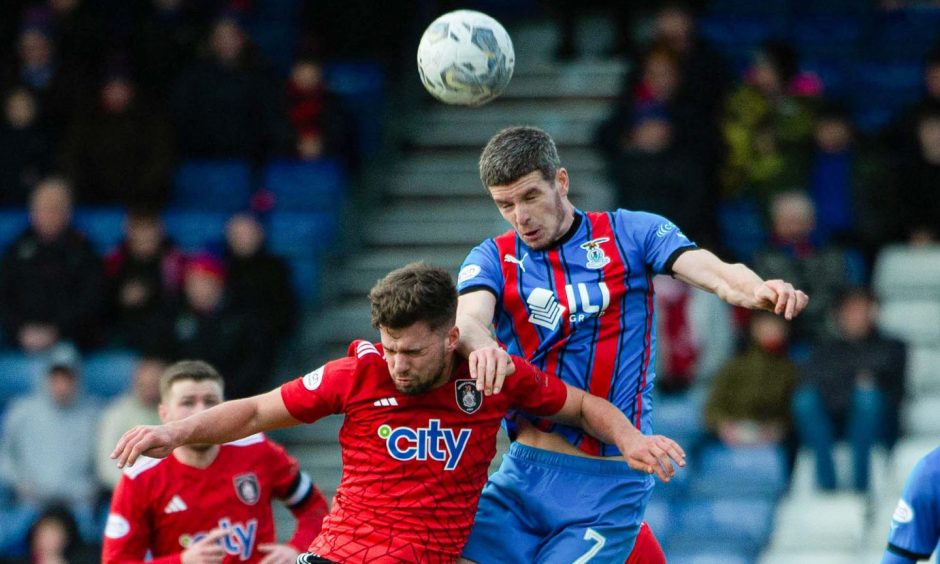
(575, 225)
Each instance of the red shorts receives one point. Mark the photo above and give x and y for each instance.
(646, 550)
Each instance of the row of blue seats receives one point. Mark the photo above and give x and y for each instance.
(798, 7)
(227, 185)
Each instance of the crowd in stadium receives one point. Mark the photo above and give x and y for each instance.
(770, 158)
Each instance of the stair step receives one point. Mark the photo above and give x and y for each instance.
(465, 186)
(432, 231)
(430, 160)
(564, 130)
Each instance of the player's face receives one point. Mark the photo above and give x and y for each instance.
(187, 397)
(419, 358)
(537, 209)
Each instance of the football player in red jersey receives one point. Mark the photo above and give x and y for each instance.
(209, 503)
(418, 436)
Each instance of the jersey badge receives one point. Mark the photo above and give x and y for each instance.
(469, 398)
(247, 488)
(596, 258)
(546, 311)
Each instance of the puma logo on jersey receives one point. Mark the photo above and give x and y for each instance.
(513, 260)
(175, 505)
(240, 540)
(386, 402)
(426, 443)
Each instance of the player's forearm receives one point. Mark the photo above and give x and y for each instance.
(474, 335)
(223, 423)
(602, 420)
(738, 285)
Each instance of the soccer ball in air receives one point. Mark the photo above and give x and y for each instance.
(465, 57)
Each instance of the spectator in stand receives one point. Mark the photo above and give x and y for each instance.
(854, 382)
(320, 124)
(47, 451)
(900, 137)
(78, 33)
(654, 173)
(749, 400)
(25, 147)
(228, 105)
(50, 277)
(54, 538)
(259, 283)
(137, 406)
(206, 326)
(794, 253)
(844, 185)
(165, 40)
(119, 151)
(768, 127)
(917, 177)
(144, 279)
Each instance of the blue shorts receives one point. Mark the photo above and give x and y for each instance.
(547, 507)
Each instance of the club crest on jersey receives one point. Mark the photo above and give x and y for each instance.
(247, 488)
(469, 398)
(596, 258)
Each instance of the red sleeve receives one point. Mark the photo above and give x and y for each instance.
(534, 391)
(128, 530)
(321, 392)
(297, 491)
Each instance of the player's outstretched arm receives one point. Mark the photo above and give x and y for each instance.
(225, 422)
(489, 364)
(653, 454)
(739, 285)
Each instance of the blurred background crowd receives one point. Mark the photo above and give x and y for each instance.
(175, 174)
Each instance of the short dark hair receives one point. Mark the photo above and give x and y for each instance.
(413, 293)
(196, 370)
(515, 152)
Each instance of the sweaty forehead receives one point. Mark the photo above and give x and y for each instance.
(519, 188)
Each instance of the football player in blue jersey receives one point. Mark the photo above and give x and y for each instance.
(915, 525)
(572, 292)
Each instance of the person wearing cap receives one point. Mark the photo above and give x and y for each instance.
(47, 450)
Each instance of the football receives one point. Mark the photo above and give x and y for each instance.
(465, 57)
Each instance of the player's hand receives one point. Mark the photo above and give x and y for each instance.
(206, 550)
(278, 553)
(781, 298)
(654, 454)
(155, 441)
(489, 367)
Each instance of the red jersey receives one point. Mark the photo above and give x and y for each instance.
(163, 505)
(413, 465)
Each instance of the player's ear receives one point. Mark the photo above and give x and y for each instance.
(161, 411)
(451, 339)
(561, 180)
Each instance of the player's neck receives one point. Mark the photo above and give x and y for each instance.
(197, 457)
(450, 366)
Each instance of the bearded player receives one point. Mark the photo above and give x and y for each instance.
(417, 438)
(208, 503)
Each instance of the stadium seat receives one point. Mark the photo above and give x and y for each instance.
(296, 234)
(840, 7)
(726, 525)
(903, 272)
(709, 557)
(14, 525)
(827, 37)
(736, 35)
(12, 223)
(218, 185)
(741, 228)
(306, 277)
(759, 472)
(914, 321)
(902, 35)
(305, 185)
(679, 418)
(107, 374)
(362, 89)
(195, 230)
(921, 416)
(18, 375)
(103, 226)
(834, 76)
(658, 517)
(278, 41)
(749, 7)
(881, 90)
(923, 370)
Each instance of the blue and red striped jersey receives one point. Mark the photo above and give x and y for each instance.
(583, 309)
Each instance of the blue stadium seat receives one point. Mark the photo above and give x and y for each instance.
(195, 230)
(297, 234)
(658, 517)
(14, 525)
(827, 37)
(278, 41)
(755, 472)
(726, 525)
(218, 185)
(306, 185)
(835, 77)
(710, 557)
(882, 90)
(732, 32)
(362, 88)
(18, 375)
(107, 374)
(305, 273)
(749, 7)
(103, 226)
(902, 35)
(842, 7)
(741, 228)
(679, 418)
(12, 223)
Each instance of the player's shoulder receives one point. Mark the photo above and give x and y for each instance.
(144, 466)
(929, 467)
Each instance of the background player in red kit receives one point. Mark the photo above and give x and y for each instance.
(418, 436)
(209, 503)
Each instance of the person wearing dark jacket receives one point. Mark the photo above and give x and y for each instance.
(50, 277)
(855, 381)
(25, 147)
(259, 283)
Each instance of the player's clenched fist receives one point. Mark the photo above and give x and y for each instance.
(155, 441)
(654, 454)
(489, 367)
(206, 550)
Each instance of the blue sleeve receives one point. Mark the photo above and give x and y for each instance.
(915, 525)
(481, 270)
(659, 240)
